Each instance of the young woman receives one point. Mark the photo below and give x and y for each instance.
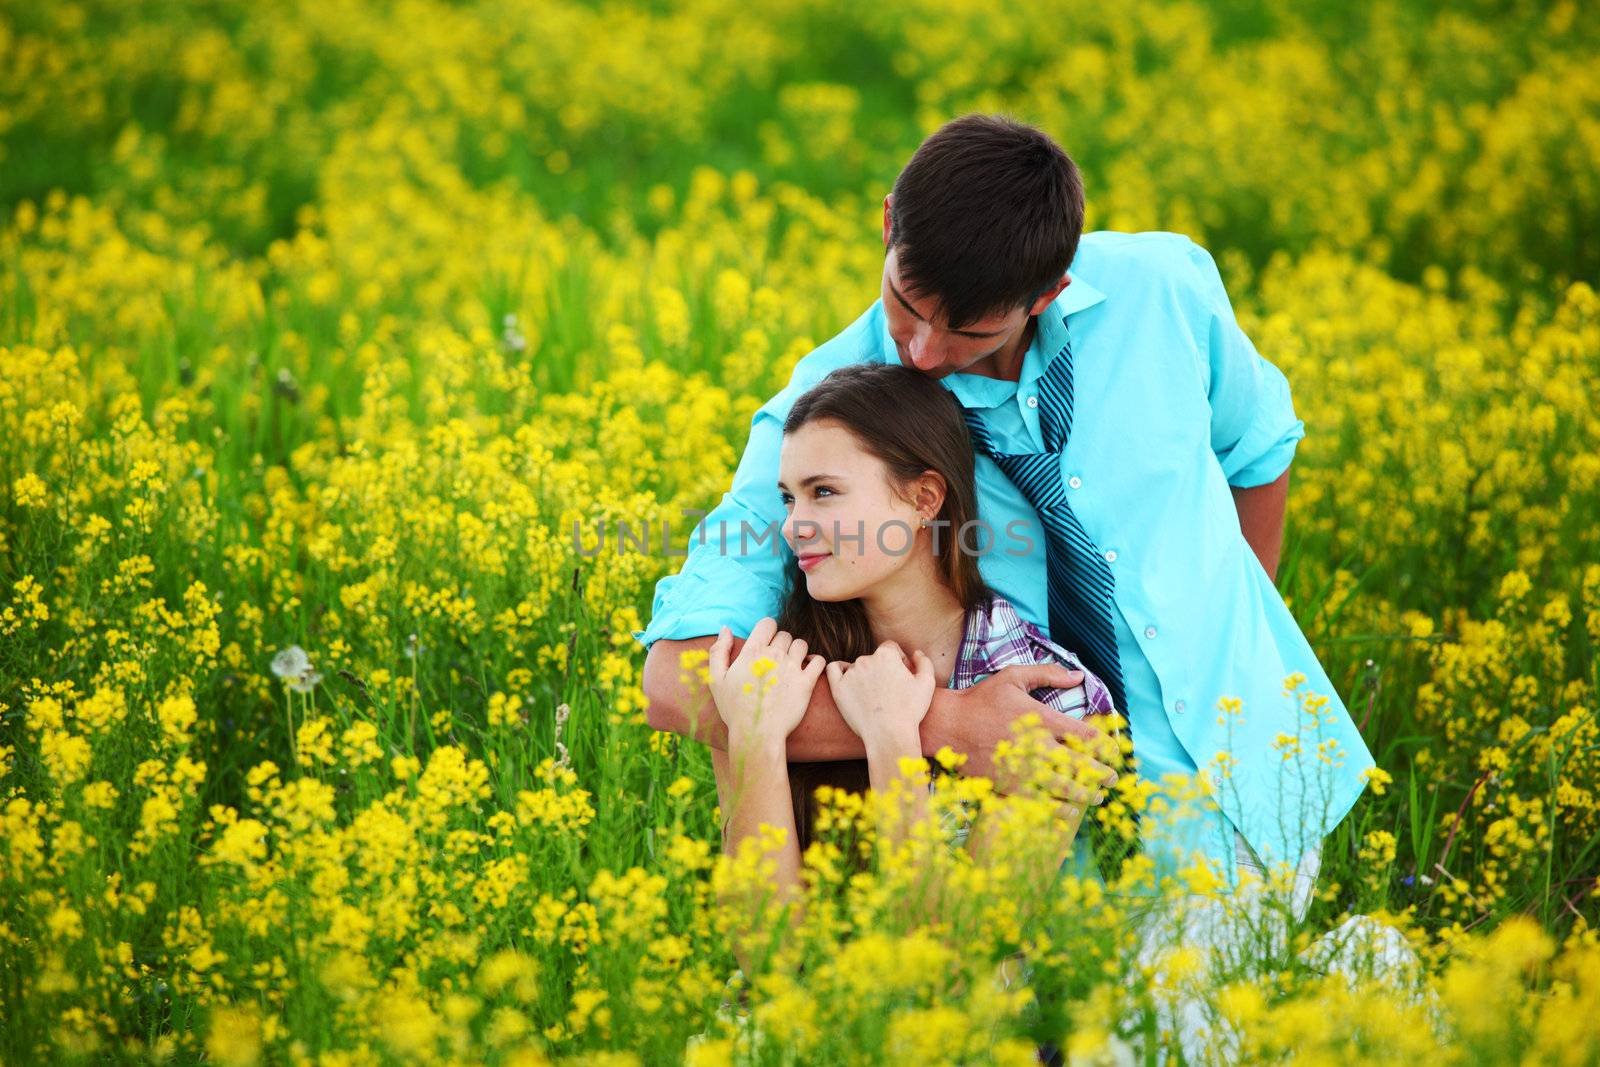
(876, 474)
(875, 464)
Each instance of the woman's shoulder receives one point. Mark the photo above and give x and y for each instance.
(996, 636)
(1003, 618)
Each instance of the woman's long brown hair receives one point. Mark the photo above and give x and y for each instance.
(914, 425)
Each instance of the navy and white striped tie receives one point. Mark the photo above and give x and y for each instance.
(1080, 580)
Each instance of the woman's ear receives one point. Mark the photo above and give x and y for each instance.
(929, 495)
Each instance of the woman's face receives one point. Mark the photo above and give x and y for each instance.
(846, 525)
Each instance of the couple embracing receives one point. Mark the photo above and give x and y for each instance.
(1045, 472)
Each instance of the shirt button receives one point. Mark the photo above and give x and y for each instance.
(1149, 631)
(1111, 555)
(1178, 706)
(1033, 401)
(1075, 481)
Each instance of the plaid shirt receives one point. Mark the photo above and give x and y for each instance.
(997, 637)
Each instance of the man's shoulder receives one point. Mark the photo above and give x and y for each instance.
(856, 343)
(1110, 255)
(1131, 268)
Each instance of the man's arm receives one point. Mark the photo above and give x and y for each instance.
(1254, 429)
(1261, 510)
(971, 722)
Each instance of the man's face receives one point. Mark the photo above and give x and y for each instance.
(926, 343)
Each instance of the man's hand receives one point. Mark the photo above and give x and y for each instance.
(971, 721)
(987, 710)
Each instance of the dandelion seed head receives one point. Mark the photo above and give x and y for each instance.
(306, 682)
(291, 662)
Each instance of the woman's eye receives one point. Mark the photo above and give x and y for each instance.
(786, 498)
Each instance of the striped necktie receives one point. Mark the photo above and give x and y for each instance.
(1080, 581)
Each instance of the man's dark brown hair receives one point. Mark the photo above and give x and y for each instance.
(985, 216)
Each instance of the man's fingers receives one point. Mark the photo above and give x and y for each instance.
(1043, 676)
(1082, 736)
(1073, 793)
(1089, 769)
(1095, 771)
(1070, 726)
(1098, 747)
(1066, 726)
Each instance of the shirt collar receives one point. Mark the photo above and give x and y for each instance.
(1078, 296)
(1049, 338)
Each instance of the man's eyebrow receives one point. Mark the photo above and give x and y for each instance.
(963, 333)
(810, 479)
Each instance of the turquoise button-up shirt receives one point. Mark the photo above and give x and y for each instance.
(1172, 406)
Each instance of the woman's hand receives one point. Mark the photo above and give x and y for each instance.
(764, 708)
(880, 698)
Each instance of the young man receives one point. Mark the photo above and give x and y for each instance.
(1121, 415)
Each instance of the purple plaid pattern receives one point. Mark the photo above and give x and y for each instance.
(995, 637)
(999, 637)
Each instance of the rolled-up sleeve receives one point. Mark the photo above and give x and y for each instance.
(733, 573)
(1254, 430)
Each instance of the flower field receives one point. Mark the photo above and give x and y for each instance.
(331, 332)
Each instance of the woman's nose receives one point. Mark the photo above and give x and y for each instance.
(798, 529)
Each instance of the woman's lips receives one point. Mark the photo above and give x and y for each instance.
(811, 559)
